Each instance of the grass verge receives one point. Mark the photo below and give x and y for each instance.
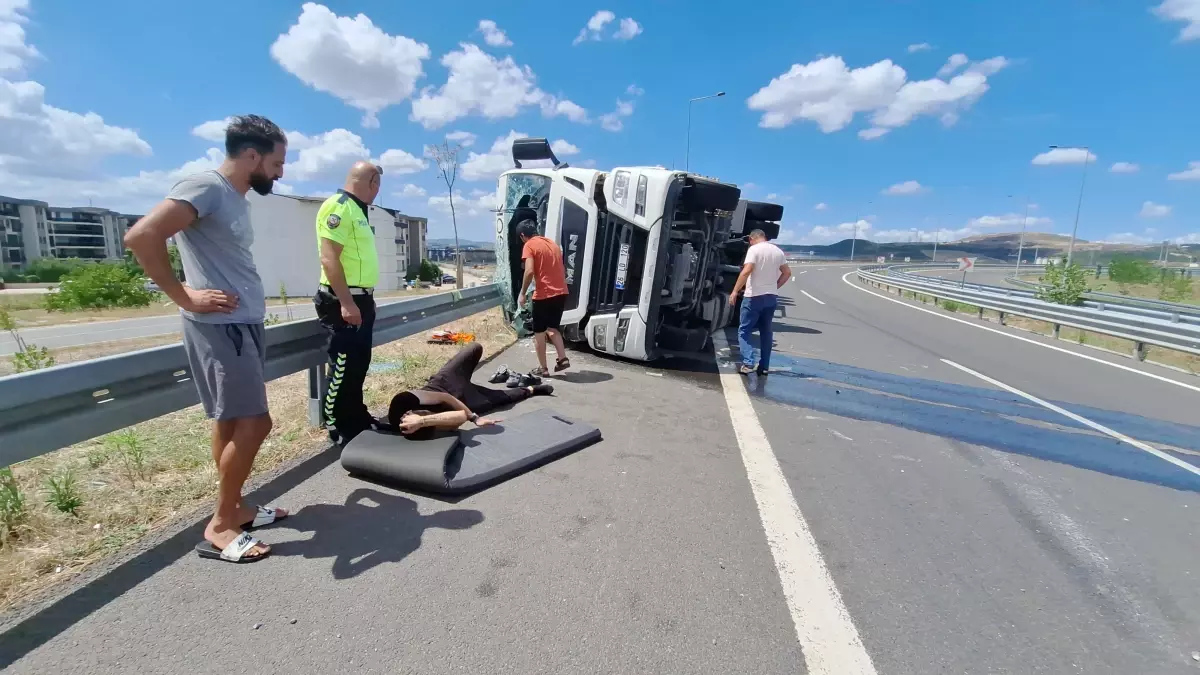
(62, 512)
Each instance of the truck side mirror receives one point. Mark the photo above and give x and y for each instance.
(530, 149)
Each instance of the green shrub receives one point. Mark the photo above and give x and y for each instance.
(50, 270)
(1175, 288)
(27, 357)
(63, 492)
(100, 286)
(429, 271)
(1125, 271)
(128, 446)
(1062, 284)
(950, 305)
(12, 505)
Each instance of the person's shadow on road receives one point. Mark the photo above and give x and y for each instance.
(360, 536)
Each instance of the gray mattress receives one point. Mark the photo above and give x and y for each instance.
(466, 460)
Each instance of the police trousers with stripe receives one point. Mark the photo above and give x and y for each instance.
(349, 349)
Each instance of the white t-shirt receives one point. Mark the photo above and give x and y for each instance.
(764, 279)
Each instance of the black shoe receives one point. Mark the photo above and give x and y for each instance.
(763, 372)
(543, 389)
(530, 380)
(514, 380)
(500, 375)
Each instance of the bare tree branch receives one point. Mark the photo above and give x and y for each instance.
(446, 158)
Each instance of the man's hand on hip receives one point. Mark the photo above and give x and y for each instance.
(207, 301)
(351, 314)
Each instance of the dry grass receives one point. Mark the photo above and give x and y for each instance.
(65, 355)
(137, 480)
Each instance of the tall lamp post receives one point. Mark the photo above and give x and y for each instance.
(1021, 241)
(1087, 156)
(854, 239)
(688, 153)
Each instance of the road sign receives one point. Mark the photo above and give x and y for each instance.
(880, 259)
(965, 264)
(907, 259)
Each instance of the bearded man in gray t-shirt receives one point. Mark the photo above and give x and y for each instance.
(223, 307)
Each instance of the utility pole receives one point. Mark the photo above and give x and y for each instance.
(688, 152)
(1087, 156)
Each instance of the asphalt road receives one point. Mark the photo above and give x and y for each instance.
(871, 508)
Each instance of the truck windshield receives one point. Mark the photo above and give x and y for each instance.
(525, 196)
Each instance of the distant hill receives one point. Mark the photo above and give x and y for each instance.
(1000, 247)
(464, 243)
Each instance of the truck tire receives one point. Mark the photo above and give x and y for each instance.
(768, 228)
(764, 211)
(706, 195)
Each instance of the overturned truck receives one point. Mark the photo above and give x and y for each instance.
(651, 254)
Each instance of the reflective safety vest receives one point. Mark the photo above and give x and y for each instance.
(340, 219)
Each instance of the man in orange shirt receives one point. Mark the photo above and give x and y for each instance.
(544, 263)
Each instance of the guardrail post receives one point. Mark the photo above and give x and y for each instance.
(316, 392)
(981, 314)
(1057, 330)
(1002, 319)
(1139, 351)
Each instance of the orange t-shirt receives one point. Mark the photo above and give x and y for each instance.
(549, 276)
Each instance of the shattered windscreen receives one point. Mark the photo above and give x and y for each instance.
(522, 191)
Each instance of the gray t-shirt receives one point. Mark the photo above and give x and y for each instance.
(215, 250)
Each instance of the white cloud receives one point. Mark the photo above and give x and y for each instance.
(831, 234)
(1057, 156)
(498, 159)
(351, 58)
(872, 133)
(615, 120)
(324, 156)
(628, 29)
(1191, 173)
(15, 53)
(925, 236)
(1126, 238)
(479, 83)
(830, 94)
(40, 140)
(634, 90)
(1124, 167)
(1011, 221)
(212, 130)
(1193, 238)
(493, 35)
(411, 191)
(594, 25)
(398, 163)
(908, 187)
(463, 138)
(921, 47)
(955, 62)
(821, 207)
(477, 204)
(1152, 210)
(1187, 11)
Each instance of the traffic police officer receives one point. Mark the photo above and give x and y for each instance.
(345, 299)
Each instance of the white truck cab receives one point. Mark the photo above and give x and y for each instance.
(650, 253)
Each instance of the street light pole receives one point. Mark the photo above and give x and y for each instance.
(1087, 156)
(1021, 242)
(688, 152)
(854, 240)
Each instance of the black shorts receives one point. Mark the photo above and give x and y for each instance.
(548, 313)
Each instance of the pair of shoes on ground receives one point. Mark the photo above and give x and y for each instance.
(513, 379)
(237, 549)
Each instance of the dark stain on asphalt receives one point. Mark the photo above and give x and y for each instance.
(486, 590)
(986, 417)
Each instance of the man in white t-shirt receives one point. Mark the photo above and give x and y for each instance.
(763, 274)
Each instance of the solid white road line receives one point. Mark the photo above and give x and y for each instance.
(827, 635)
(1021, 338)
(1082, 420)
(810, 297)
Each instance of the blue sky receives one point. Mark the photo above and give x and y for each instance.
(900, 115)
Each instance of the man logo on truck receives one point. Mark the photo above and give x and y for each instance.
(572, 248)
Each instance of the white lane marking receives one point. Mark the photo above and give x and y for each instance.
(840, 435)
(827, 635)
(801, 272)
(1082, 420)
(810, 297)
(1022, 338)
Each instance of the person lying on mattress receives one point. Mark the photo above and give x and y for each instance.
(449, 398)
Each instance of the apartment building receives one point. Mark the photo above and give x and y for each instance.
(285, 244)
(415, 231)
(32, 229)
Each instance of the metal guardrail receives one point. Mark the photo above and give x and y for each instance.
(1157, 309)
(45, 410)
(1141, 330)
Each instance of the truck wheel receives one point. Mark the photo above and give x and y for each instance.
(763, 211)
(706, 195)
(768, 228)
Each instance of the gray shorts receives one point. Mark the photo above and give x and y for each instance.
(228, 362)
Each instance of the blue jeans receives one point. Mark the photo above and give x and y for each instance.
(757, 313)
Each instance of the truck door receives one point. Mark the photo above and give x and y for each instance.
(571, 221)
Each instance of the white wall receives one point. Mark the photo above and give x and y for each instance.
(285, 244)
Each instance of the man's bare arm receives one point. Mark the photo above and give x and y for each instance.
(446, 420)
(526, 279)
(148, 241)
(331, 262)
(742, 278)
(785, 273)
